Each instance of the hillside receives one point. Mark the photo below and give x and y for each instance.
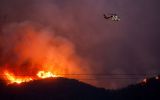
(70, 89)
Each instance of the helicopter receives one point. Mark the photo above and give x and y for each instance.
(113, 17)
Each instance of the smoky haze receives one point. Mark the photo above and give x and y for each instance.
(95, 45)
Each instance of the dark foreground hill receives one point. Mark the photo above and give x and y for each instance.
(70, 89)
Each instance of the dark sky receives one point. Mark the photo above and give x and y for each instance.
(130, 46)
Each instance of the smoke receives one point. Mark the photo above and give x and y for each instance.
(28, 45)
(34, 32)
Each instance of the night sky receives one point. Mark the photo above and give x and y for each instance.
(129, 46)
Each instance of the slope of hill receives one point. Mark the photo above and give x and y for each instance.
(51, 89)
(149, 90)
(70, 89)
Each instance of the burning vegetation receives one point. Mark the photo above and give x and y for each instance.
(30, 52)
(11, 78)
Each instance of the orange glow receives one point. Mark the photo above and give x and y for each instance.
(14, 79)
(145, 80)
(43, 74)
(40, 53)
(157, 78)
(11, 78)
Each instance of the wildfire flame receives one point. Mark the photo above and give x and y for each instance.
(157, 77)
(21, 79)
(144, 81)
(14, 79)
(43, 74)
